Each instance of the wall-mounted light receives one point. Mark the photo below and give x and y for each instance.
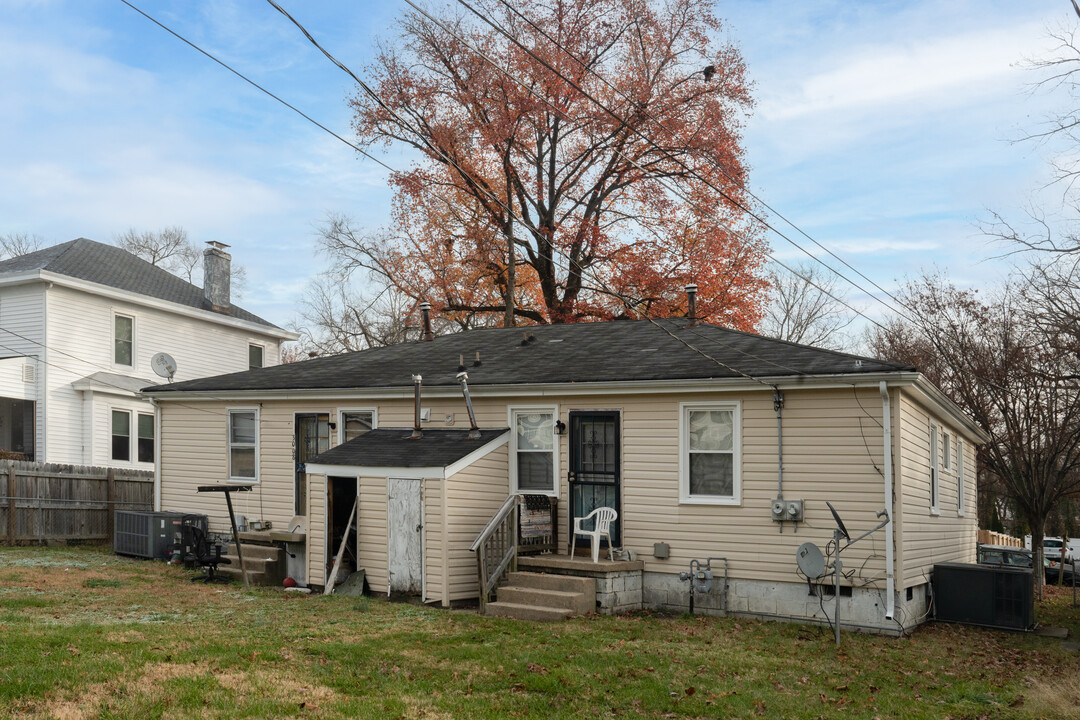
(560, 427)
(333, 426)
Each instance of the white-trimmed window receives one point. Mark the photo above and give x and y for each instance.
(935, 468)
(946, 452)
(123, 340)
(959, 476)
(255, 356)
(709, 453)
(244, 444)
(354, 422)
(121, 435)
(145, 442)
(533, 451)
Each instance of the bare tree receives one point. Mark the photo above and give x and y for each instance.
(172, 250)
(801, 309)
(19, 243)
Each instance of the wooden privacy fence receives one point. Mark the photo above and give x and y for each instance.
(987, 537)
(42, 503)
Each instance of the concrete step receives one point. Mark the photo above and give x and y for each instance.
(254, 551)
(575, 602)
(264, 565)
(550, 581)
(532, 613)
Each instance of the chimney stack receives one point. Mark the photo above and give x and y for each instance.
(217, 270)
(417, 432)
(691, 305)
(425, 313)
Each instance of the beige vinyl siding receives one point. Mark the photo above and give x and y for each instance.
(318, 555)
(928, 538)
(473, 496)
(434, 541)
(372, 533)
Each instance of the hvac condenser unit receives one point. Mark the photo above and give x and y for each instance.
(998, 597)
(146, 534)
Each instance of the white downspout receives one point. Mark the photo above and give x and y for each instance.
(890, 561)
(157, 455)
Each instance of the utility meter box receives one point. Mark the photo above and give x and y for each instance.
(787, 510)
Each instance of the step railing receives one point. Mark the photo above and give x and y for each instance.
(496, 548)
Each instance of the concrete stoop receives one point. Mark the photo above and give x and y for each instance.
(543, 597)
(265, 564)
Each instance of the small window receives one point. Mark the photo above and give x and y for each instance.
(946, 451)
(960, 476)
(935, 469)
(243, 446)
(355, 423)
(709, 453)
(146, 438)
(123, 339)
(121, 435)
(255, 357)
(534, 451)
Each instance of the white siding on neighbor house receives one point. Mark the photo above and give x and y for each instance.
(927, 537)
(80, 339)
(832, 451)
(22, 332)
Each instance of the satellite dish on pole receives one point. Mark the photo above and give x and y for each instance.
(839, 522)
(810, 560)
(163, 365)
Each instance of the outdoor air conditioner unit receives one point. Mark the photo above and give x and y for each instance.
(998, 597)
(148, 534)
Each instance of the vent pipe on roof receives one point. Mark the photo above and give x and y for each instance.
(217, 270)
(474, 431)
(691, 305)
(425, 314)
(417, 433)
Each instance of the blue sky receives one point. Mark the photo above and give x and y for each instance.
(882, 129)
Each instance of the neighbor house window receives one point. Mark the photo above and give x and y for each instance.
(123, 339)
(946, 452)
(959, 476)
(354, 423)
(935, 469)
(709, 453)
(121, 435)
(532, 449)
(255, 357)
(146, 438)
(243, 445)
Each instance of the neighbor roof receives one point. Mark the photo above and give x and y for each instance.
(395, 447)
(621, 350)
(109, 265)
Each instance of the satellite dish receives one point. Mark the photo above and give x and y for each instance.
(163, 365)
(839, 522)
(810, 560)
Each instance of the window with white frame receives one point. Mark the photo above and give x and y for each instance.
(935, 469)
(243, 444)
(354, 423)
(123, 340)
(709, 449)
(255, 357)
(145, 442)
(959, 476)
(121, 435)
(533, 451)
(946, 451)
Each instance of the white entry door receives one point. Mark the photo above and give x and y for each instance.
(404, 528)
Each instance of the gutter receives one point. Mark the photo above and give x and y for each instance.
(157, 455)
(890, 560)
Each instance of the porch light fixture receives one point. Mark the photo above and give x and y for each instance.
(560, 427)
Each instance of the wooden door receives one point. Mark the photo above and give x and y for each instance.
(405, 527)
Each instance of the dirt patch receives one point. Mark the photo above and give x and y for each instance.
(278, 684)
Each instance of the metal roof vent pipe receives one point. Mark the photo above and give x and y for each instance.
(691, 306)
(425, 314)
(217, 270)
(417, 433)
(474, 431)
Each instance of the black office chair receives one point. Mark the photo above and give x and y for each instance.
(206, 555)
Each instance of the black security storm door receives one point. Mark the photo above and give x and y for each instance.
(594, 468)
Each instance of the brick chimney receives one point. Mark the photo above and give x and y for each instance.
(217, 269)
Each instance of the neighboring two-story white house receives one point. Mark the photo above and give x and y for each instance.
(79, 324)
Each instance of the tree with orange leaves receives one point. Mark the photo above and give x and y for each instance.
(579, 159)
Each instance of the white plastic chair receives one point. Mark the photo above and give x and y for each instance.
(602, 517)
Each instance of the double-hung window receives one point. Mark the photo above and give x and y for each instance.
(121, 435)
(959, 476)
(255, 357)
(354, 423)
(243, 444)
(533, 451)
(709, 449)
(123, 340)
(935, 468)
(146, 438)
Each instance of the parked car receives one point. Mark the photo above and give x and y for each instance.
(1003, 556)
(1052, 550)
(1052, 573)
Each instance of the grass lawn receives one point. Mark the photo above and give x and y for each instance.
(86, 634)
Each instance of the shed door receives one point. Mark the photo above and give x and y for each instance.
(404, 531)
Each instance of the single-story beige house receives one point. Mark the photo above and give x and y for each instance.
(692, 432)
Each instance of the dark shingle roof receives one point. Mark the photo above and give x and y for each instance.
(394, 447)
(108, 265)
(622, 350)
